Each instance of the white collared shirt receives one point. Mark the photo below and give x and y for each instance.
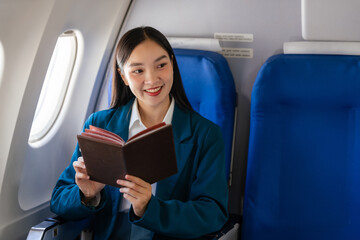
(136, 126)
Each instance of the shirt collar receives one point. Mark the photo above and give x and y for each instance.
(135, 115)
(169, 115)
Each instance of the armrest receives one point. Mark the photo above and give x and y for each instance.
(57, 228)
(229, 231)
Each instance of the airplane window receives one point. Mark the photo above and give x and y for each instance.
(2, 61)
(55, 85)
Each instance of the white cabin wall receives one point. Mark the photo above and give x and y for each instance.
(272, 23)
(20, 42)
(19, 55)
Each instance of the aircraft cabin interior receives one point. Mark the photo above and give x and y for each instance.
(280, 78)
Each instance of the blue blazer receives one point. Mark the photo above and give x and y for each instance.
(189, 204)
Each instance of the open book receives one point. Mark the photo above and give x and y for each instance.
(149, 155)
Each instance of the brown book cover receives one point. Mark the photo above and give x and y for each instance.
(149, 155)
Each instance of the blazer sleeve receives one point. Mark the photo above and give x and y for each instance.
(206, 211)
(65, 200)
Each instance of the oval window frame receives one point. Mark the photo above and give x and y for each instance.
(58, 75)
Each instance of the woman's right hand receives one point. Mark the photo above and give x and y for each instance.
(88, 187)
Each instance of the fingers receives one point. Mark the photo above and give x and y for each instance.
(134, 185)
(79, 165)
(132, 193)
(135, 188)
(135, 180)
(80, 176)
(137, 191)
(80, 169)
(88, 187)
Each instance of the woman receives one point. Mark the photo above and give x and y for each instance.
(147, 90)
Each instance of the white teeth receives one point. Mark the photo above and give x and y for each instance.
(153, 90)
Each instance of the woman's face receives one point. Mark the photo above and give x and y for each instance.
(149, 74)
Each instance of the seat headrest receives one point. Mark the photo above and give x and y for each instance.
(206, 44)
(333, 48)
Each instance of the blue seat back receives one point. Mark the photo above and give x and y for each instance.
(210, 88)
(303, 170)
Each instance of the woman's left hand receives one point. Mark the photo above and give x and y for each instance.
(137, 191)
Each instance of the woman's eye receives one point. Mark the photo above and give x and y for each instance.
(137, 71)
(162, 65)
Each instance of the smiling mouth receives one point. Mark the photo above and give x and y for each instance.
(153, 90)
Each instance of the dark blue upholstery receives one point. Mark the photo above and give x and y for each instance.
(303, 170)
(210, 88)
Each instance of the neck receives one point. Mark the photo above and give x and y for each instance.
(153, 115)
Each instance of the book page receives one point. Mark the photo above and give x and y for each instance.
(103, 132)
(101, 137)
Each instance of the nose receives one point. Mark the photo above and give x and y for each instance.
(151, 77)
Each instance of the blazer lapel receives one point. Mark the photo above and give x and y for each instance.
(182, 130)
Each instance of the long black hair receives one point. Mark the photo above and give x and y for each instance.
(121, 94)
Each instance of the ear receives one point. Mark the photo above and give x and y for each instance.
(123, 77)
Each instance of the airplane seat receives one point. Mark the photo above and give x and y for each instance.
(303, 164)
(210, 88)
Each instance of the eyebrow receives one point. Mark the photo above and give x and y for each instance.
(160, 58)
(156, 60)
